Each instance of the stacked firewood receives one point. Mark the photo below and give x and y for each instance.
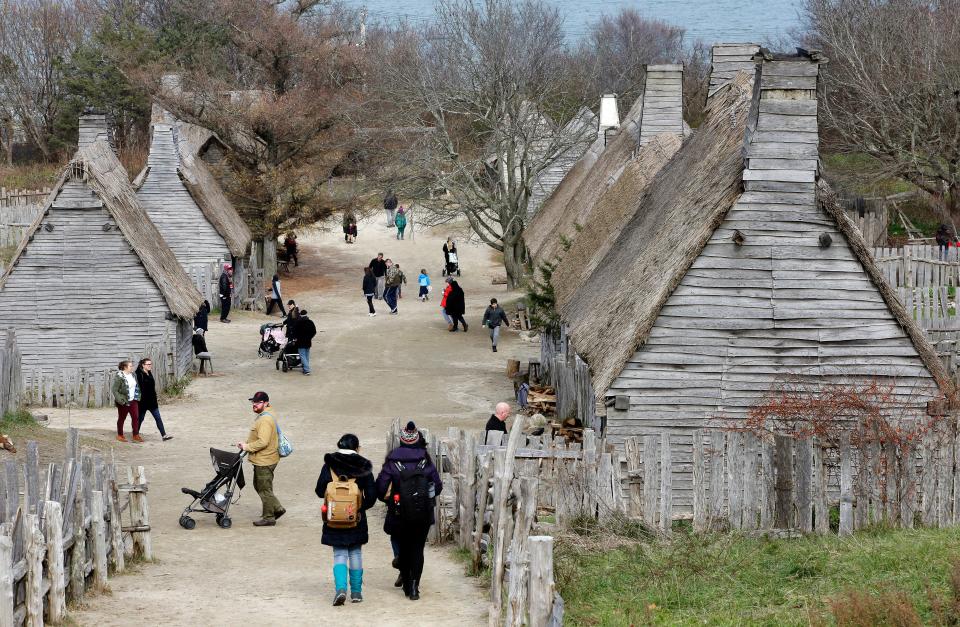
(542, 399)
(570, 429)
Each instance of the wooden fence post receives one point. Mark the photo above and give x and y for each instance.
(718, 441)
(6, 581)
(140, 513)
(631, 448)
(526, 495)
(666, 484)
(79, 550)
(541, 589)
(803, 464)
(116, 524)
(651, 481)
(783, 463)
(699, 483)
(498, 534)
(99, 535)
(53, 530)
(468, 489)
(483, 496)
(35, 549)
(846, 485)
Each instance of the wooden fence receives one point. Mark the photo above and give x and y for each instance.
(72, 528)
(248, 287)
(14, 222)
(569, 375)
(88, 387)
(21, 197)
(10, 384)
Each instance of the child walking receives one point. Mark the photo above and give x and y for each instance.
(424, 281)
(346, 466)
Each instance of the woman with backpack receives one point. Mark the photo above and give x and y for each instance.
(409, 483)
(347, 489)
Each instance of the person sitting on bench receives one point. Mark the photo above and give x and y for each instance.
(200, 349)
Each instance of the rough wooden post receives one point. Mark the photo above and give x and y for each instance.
(99, 536)
(908, 485)
(116, 524)
(929, 485)
(589, 473)
(751, 481)
(6, 581)
(34, 552)
(783, 462)
(651, 481)
(468, 488)
(520, 552)
(78, 551)
(498, 534)
(735, 459)
(53, 530)
(699, 483)
(803, 471)
(631, 449)
(666, 484)
(768, 499)
(31, 476)
(483, 496)
(718, 441)
(846, 485)
(821, 510)
(140, 512)
(541, 588)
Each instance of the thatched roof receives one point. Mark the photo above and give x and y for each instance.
(614, 209)
(98, 167)
(585, 191)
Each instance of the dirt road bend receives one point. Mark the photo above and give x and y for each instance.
(366, 371)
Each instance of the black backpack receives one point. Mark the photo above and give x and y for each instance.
(415, 504)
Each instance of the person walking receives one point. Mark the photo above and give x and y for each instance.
(126, 396)
(443, 303)
(393, 278)
(942, 238)
(347, 489)
(424, 281)
(148, 395)
(276, 300)
(401, 222)
(409, 483)
(498, 419)
(492, 318)
(352, 232)
(456, 306)
(303, 332)
(379, 268)
(390, 205)
(262, 447)
(369, 288)
(225, 287)
(290, 246)
(450, 247)
(403, 281)
(200, 320)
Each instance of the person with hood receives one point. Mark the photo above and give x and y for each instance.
(303, 330)
(369, 288)
(276, 300)
(401, 222)
(225, 287)
(443, 304)
(200, 321)
(148, 395)
(344, 465)
(409, 483)
(456, 306)
(493, 317)
(390, 205)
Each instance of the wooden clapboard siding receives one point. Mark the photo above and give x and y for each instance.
(79, 297)
(747, 316)
(662, 102)
(578, 141)
(172, 209)
(727, 60)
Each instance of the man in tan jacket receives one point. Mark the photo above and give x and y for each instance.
(261, 447)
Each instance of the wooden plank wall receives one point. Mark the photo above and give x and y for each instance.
(727, 60)
(10, 374)
(662, 102)
(579, 140)
(166, 200)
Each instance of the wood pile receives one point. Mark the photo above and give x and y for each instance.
(542, 400)
(570, 430)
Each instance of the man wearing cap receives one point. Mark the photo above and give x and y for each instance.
(225, 287)
(261, 447)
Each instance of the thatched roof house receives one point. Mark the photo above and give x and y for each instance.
(737, 271)
(577, 130)
(93, 281)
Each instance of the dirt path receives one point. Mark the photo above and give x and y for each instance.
(366, 372)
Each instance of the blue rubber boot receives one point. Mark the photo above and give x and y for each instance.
(340, 583)
(356, 583)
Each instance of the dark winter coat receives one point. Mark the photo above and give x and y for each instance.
(390, 202)
(495, 316)
(200, 320)
(224, 285)
(495, 424)
(379, 267)
(148, 390)
(456, 304)
(303, 331)
(359, 468)
(199, 344)
(407, 455)
(447, 251)
(369, 284)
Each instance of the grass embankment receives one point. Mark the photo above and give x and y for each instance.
(877, 577)
(30, 176)
(21, 427)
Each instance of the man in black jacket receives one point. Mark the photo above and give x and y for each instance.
(379, 268)
(225, 287)
(390, 203)
(303, 332)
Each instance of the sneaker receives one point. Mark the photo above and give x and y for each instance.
(306, 374)
(394, 312)
(494, 349)
(120, 438)
(339, 598)
(356, 596)
(264, 522)
(136, 438)
(370, 315)
(167, 437)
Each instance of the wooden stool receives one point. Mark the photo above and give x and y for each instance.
(203, 363)
(533, 370)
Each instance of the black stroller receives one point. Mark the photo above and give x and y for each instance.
(289, 358)
(216, 496)
(453, 264)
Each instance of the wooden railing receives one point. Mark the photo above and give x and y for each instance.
(72, 526)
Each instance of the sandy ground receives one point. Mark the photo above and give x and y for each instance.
(366, 371)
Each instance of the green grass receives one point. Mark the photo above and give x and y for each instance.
(733, 580)
(30, 176)
(6, 253)
(13, 420)
(177, 388)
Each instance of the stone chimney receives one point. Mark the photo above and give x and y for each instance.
(727, 60)
(94, 126)
(662, 102)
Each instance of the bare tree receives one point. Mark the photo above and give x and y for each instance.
(892, 87)
(481, 79)
(37, 38)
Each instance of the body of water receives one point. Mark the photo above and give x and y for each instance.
(712, 21)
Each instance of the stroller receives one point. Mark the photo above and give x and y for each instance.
(216, 496)
(452, 266)
(272, 339)
(289, 358)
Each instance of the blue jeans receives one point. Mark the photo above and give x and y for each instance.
(156, 416)
(304, 359)
(390, 295)
(351, 556)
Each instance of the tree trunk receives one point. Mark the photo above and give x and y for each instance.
(513, 263)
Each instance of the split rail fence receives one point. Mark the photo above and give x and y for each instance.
(71, 529)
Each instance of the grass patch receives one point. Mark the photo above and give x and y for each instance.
(21, 427)
(726, 579)
(177, 388)
(30, 176)
(13, 420)
(464, 557)
(6, 253)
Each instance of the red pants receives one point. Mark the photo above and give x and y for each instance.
(132, 408)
